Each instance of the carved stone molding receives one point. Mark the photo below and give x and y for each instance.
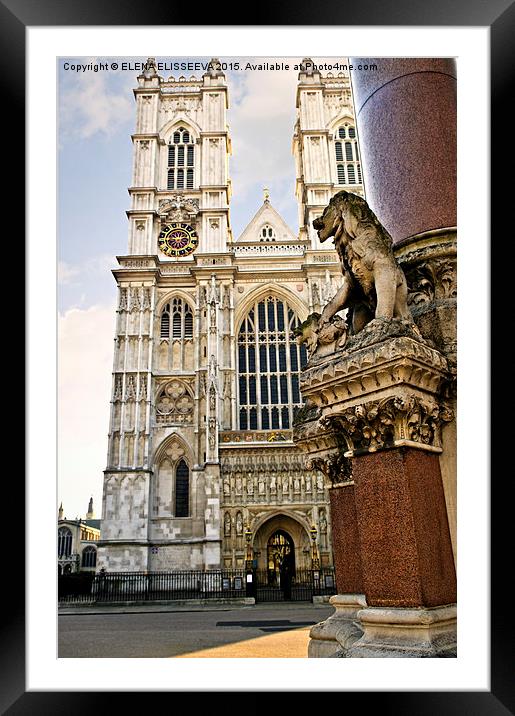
(178, 208)
(346, 375)
(391, 393)
(323, 446)
(429, 263)
(174, 404)
(335, 466)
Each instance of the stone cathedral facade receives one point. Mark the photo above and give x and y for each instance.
(206, 368)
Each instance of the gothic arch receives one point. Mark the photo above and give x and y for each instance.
(174, 293)
(160, 455)
(290, 524)
(180, 120)
(345, 116)
(174, 348)
(269, 360)
(269, 516)
(171, 485)
(260, 292)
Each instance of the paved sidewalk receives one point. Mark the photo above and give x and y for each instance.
(291, 644)
(217, 631)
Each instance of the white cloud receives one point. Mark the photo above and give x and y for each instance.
(261, 123)
(66, 272)
(87, 272)
(85, 355)
(92, 102)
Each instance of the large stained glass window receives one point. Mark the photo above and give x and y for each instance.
(269, 363)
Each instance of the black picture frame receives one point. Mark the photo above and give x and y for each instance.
(499, 16)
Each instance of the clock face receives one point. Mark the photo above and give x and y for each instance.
(177, 239)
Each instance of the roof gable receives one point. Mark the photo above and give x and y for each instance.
(266, 214)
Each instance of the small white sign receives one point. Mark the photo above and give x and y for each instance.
(249, 578)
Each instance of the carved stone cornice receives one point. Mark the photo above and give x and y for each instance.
(350, 376)
(388, 394)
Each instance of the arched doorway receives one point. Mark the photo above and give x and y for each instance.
(281, 561)
(281, 552)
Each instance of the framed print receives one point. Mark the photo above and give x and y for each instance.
(37, 40)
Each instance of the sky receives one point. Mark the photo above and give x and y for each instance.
(96, 116)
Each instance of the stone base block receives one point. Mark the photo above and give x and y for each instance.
(321, 599)
(332, 637)
(405, 633)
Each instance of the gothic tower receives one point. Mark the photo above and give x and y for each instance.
(160, 501)
(206, 367)
(325, 144)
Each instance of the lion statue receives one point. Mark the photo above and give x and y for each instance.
(374, 285)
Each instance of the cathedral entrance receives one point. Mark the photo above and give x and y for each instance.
(281, 562)
(282, 565)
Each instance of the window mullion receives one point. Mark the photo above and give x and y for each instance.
(258, 379)
(288, 373)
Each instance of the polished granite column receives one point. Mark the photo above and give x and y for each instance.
(406, 117)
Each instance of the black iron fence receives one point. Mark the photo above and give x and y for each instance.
(301, 586)
(112, 587)
(151, 586)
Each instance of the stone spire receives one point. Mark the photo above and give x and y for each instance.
(150, 70)
(90, 514)
(61, 511)
(266, 194)
(215, 69)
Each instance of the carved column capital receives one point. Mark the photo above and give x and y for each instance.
(396, 421)
(334, 465)
(324, 445)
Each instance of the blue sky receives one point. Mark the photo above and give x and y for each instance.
(96, 116)
(96, 119)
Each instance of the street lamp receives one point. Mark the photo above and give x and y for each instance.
(249, 555)
(315, 562)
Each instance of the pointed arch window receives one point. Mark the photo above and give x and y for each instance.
(64, 542)
(267, 233)
(348, 168)
(181, 160)
(182, 489)
(89, 557)
(269, 363)
(178, 315)
(165, 322)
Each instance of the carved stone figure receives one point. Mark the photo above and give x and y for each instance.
(316, 297)
(212, 398)
(227, 524)
(314, 333)
(374, 285)
(239, 523)
(261, 485)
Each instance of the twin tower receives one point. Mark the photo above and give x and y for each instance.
(205, 382)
